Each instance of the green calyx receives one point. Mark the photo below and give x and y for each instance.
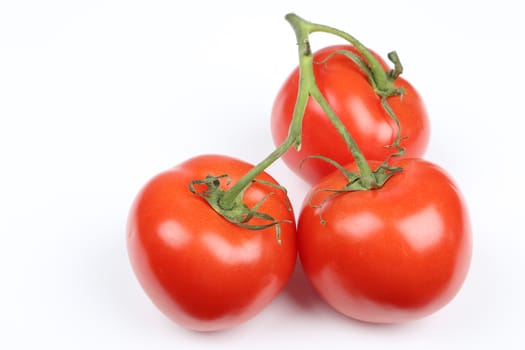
(236, 212)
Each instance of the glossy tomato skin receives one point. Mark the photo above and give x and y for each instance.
(201, 271)
(351, 96)
(390, 255)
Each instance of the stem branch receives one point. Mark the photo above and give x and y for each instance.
(302, 30)
(228, 200)
(229, 203)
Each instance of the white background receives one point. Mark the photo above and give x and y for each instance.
(98, 96)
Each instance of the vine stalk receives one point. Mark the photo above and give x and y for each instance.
(229, 203)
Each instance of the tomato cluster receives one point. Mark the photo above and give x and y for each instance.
(383, 235)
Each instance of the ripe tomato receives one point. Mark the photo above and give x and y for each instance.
(388, 255)
(199, 269)
(349, 93)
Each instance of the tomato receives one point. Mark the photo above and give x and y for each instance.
(349, 93)
(200, 270)
(389, 255)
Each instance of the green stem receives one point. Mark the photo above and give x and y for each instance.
(230, 197)
(229, 203)
(302, 30)
(379, 75)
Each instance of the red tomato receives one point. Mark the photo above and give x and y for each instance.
(200, 270)
(353, 99)
(389, 255)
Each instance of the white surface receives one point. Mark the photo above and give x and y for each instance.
(98, 96)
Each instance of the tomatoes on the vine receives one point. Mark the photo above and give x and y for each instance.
(199, 269)
(389, 255)
(349, 92)
(213, 240)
